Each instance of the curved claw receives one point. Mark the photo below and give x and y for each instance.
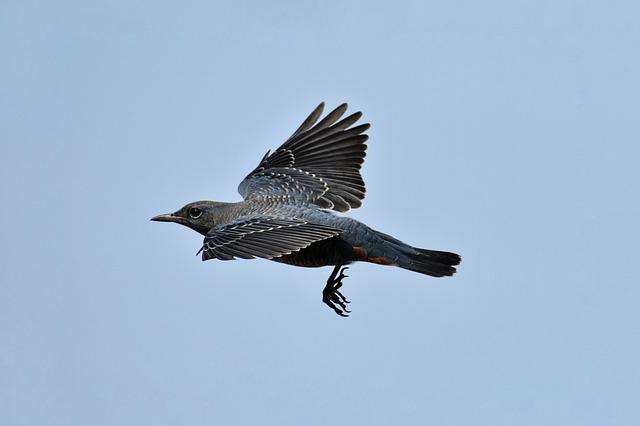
(331, 295)
(330, 301)
(337, 299)
(341, 296)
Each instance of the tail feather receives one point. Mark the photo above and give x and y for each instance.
(430, 262)
(444, 257)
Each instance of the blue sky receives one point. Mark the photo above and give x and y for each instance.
(506, 131)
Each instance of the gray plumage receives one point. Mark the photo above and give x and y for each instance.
(317, 165)
(285, 215)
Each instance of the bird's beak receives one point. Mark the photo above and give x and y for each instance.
(167, 218)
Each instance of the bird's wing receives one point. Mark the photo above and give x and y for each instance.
(262, 236)
(319, 164)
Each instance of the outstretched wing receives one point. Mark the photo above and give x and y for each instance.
(319, 164)
(262, 236)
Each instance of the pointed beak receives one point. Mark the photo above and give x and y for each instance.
(167, 218)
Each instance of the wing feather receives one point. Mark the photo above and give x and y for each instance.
(262, 236)
(309, 121)
(319, 164)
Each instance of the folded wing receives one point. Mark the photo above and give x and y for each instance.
(262, 236)
(319, 164)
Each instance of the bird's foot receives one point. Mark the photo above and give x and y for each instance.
(331, 295)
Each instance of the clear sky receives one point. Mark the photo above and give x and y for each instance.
(506, 131)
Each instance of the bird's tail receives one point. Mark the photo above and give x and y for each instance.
(430, 262)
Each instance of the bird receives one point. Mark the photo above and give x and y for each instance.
(287, 214)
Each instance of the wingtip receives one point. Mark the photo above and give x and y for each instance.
(342, 108)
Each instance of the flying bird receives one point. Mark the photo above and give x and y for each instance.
(286, 215)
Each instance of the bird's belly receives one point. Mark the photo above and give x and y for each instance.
(332, 251)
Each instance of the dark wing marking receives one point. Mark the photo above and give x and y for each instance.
(319, 164)
(262, 236)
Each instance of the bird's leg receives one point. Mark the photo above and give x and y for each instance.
(331, 295)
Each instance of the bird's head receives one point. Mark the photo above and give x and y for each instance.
(200, 216)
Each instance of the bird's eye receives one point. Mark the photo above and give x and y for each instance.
(195, 212)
